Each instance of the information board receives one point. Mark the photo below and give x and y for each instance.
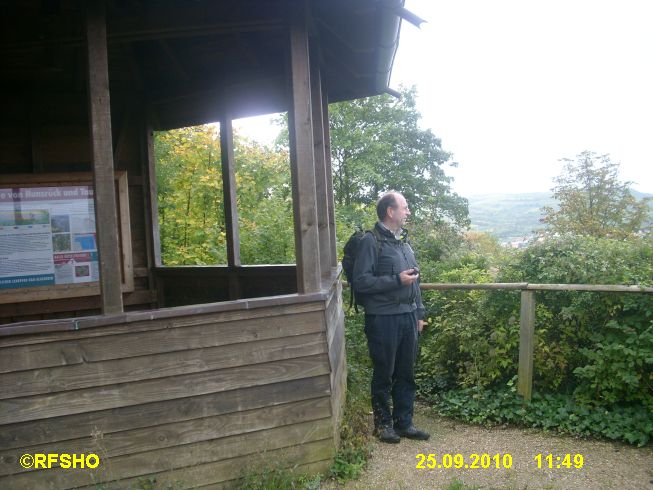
(48, 234)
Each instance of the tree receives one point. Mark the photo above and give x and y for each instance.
(264, 204)
(593, 201)
(191, 207)
(190, 202)
(377, 146)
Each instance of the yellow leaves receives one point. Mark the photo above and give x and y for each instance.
(190, 177)
(211, 179)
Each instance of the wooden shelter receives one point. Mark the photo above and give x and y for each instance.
(190, 375)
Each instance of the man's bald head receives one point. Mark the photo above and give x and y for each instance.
(392, 210)
(386, 201)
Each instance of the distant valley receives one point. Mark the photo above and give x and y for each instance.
(511, 217)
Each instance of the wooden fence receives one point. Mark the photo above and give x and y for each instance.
(527, 315)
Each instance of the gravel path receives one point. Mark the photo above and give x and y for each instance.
(607, 465)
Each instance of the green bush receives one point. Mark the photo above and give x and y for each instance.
(492, 406)
(278, 477)
(354, 449)
(595, 349)
(603, 341)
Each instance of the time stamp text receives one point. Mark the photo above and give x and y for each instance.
(496, 461)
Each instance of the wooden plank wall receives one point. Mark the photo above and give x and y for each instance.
(42, 133)
(192, 400)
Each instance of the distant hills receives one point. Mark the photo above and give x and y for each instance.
(510, 217)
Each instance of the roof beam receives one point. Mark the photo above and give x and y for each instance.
(163, 23)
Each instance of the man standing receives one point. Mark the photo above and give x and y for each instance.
(386, 283)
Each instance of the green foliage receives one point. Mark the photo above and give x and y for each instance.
(593, 201)
(435, 242)
(377, 145)
(499, 405)
(191, 201)
(278, 477)
(440, 250)
(597, 346)
(462, 344)
(264, 205)
(594, 350)
(604, 342)
(354, 449)
(452, 351)
(189, 184)
(618, 367)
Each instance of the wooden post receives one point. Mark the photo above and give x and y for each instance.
(526, 333)
(230, 203)
(329, 174)
(321, 190)
(150, 207)
(150, 188)
(102, 157)
(302, 164)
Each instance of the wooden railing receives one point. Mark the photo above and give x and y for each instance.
(527, 315)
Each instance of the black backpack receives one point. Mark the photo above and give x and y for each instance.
(349, 258)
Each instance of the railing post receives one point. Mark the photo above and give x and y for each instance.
(526, 332)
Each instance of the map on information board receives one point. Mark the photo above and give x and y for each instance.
(47, 236)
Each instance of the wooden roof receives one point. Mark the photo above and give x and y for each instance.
(195, 59)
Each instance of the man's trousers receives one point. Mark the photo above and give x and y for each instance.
(392, 344)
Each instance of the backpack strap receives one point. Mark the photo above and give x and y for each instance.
(379, 240)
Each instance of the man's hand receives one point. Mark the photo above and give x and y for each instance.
(408, 277)
(420, 325)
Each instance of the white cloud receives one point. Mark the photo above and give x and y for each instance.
(512, 86)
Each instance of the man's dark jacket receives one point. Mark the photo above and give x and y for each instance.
(377, 284)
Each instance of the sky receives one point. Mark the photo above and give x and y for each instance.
(513, 86)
